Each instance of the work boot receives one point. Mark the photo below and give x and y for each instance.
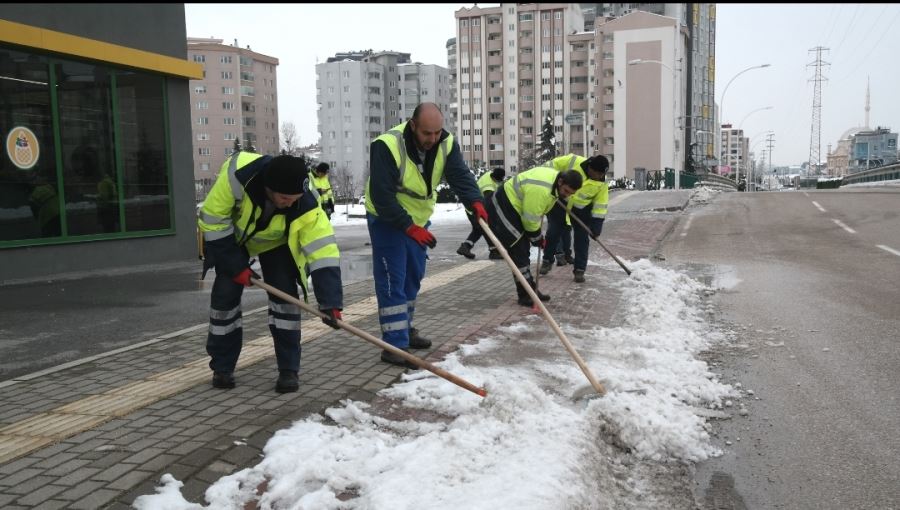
(561, 259)
(465, 249)
(495, 254)
(288, 382)
(546, 266)
(417, 341)
(569, 258)
(395, 359)
(579, 275)
(223, 380)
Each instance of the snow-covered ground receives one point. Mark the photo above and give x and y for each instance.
(528, 444)
(355, 215)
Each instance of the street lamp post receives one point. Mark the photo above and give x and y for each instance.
(737, 173)
(637, 61)
(722, 101)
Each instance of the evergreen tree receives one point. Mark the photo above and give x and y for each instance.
(547, 149)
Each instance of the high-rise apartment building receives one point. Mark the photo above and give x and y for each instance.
(363, 94)
(237, 99)
(519, 63)
(452, 120)
(513, 72)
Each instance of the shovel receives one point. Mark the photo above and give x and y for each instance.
(462, 383)
(562, 336)
(588, 230)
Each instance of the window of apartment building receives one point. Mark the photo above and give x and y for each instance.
(527, 114)
(609, 140)
(229, 137)
(246, 61)
(558, 80)
(225, 59)
(557, 112)
(527, 130)
(464, 39)
(525, 16)
(200, 89)
(577, 96)
(200, 58)
(608, 55)
(512, 107)
(546, 32)
(346, 88)
(545, 48)
(202, 105)
(345, 74)
(512, 28)
(202, 136)
(608, 107)
(229, 121)
(545, 97)
(607, 38)
(558, 15)
(347, 119)
(476, 38)
(204, 167)
(463, 23)
(558, 64)
(202, 121)
(228, 105)
(545, 65)
(476, 22)
(248, 91)
(203, 151)
(227, 75)
(557, 47)
(348, 134)
(496, 131)
(478, 147)
(228, 91)
(330, 104)
(477, 131)
(608, 124)
(467, 132)
(346, 104)
(512, 122)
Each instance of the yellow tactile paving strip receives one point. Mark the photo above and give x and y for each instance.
(46, 428)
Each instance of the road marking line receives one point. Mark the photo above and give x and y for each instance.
(819, 206)
(687, 225)
(843, 226)
(37, 431)
(888, 249)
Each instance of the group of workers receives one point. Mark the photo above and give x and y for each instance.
(277, 210)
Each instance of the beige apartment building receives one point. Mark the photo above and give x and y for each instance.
(237, 100)
(637, 88)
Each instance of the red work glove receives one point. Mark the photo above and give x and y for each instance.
(479, 211)
(540, 241)
(335, 315)
(421, 236)
(244, 276)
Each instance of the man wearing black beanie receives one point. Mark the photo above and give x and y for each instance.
(250, 212)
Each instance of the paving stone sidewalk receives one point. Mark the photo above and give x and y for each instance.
(101, 433)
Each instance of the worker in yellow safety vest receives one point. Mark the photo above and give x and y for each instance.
(589, 204)
(516, 212)
(263, 206)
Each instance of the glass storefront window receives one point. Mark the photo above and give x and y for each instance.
(29, 192)
(90, 160)
(141, 110)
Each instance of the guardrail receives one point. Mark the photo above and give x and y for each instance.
(882, 173)
(716, 181)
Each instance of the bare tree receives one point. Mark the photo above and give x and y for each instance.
(345, 184)
(289, 140)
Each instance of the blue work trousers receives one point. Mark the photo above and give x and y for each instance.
(398, 264)
(225, 337)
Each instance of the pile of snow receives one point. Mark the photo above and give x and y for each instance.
(355, 214)
(527, 444)
(703, 195)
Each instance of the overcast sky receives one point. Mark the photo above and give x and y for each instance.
(862, 41)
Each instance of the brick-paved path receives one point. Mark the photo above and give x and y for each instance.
(101, 433)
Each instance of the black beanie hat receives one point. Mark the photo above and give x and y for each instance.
(285, 174)
(322, 167)
(498, 173)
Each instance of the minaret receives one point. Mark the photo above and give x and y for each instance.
(867, 103)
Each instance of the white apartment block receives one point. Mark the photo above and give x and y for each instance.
(424, 83)
(360, 96)
(517, 63)
(237, 99)
(735, 148)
